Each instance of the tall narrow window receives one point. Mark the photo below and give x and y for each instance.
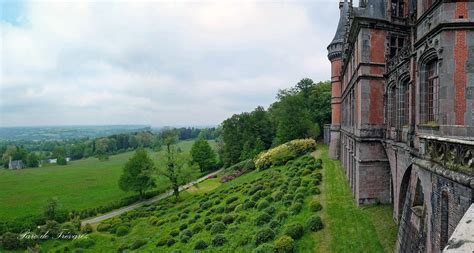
(398, 8)
(392, 106)
(444, 220)
(403, 104)
(430, 93)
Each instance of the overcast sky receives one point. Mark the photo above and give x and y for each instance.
(155, 62)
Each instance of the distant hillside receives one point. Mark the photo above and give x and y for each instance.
(65, 132)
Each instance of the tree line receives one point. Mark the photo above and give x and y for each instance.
(298, 112)
(33, 152)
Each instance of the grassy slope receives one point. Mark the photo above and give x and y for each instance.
(80, 184)
(348, 228)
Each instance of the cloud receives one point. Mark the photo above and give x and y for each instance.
(157, 62)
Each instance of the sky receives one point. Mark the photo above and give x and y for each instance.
(158, 63)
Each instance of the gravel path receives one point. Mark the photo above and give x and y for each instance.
(122, 210)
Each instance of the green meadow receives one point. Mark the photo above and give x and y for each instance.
(81, 184)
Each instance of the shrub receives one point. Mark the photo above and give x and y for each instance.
(274, 224)
(296, 208)
(231, 199)
(319, 163)
(314, 223)
(282, 216)
(122, 230)
(239, 208)
(206, 205)
(174, 233)
(270, 210)
(138, 244)
(184, 238)
(315, 206)
(197, 228)
(264, 235)
(217, 228)
(183, 227)
(187, 232)
(87, 229)
(218, 240)
(262, 219)
(207, 221)
(170, 242)
(288, 197)
(269, 198)
(162, 241)
(302, 146)
(240, 219)
(254, 189)
(318, 176)
(294, 230)
(250, 204)
(262, 204)
(10, 241)
(285, 244)
(200, 244)
(277, 196)
(218, 218)
(153, 220)
(306, 171)
(230, 208)
(228, 219)
(84, 243)
(265, 248)
(103, 227)
(191, 221)
(315, 190)
(287, 203)
(220, 209)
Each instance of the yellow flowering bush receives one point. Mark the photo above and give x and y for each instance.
(283, 153)
(302, 146)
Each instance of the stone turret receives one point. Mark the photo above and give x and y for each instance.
(335, 56)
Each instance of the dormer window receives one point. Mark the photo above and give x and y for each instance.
(398, 8)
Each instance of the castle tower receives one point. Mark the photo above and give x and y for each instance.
(335, 56)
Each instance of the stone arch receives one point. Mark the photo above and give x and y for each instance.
(402, 194)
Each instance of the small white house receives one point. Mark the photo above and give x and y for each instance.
(16, 164)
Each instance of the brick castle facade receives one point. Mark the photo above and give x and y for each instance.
(403, 112)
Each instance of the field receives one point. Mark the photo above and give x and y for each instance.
(80, 184)
(227, 217)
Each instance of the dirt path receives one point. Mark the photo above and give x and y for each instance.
(125, 209)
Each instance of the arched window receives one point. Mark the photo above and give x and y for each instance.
(444, 220)
(403, 104)
(430, 94)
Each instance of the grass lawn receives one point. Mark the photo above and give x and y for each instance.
(349, 228)
(80, 184)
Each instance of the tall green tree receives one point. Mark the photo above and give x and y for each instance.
(175, 170)
(203, 155)
(32, 161)
(137, 173)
